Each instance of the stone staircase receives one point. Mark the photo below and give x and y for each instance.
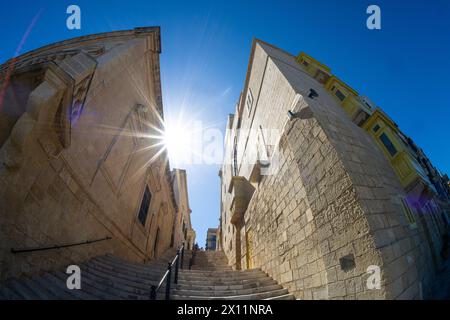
(111, 278)
(212, 278)
(102, 278)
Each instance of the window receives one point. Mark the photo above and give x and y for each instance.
(249, 102)
(321, 76)
(408, 213)
(145, 205)
(340, 95)
(305, 63)
(376, 128)
(333, 87)
(388, 144)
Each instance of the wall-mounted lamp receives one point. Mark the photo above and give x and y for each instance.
(313, 94)
(291, 115)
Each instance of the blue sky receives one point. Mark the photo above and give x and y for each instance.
(404, 67)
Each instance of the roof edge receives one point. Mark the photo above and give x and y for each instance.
(136, 32)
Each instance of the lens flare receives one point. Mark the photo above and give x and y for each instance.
(177, 139)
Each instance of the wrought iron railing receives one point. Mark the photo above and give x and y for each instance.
(23, 250)
(167, 277)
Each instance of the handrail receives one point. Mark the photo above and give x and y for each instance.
(168, 274)
(22, 250)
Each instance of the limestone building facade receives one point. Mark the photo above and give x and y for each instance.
(309, 196)
(183, 231)
(78, 162)
(211, 239)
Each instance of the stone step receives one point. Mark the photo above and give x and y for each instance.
(211, 258)
(127, 285)
(225, 293)
(111, 278)
(224, 278)
(213, 265)
(209, 265)
(171, 256)
(210, 252)
(220, 281)
(132, 268)
(218, 261)
(87, 292)
(57, 283)
(163, 266)
(218, 273)
(116, 285)
(282, 297)
(204, 264)
(197, 265)
(55, 291)
(139, 278)
(210, 268)
(22, 290)
(234, 277)
(253, 296)
(236, 286)
(41, 292)
(149, 275)
(9, 294)
(112, 289)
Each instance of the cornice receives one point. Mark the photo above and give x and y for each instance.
(72, 44)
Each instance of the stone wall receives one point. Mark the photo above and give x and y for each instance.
(77, 161)
(183, 231)
(332, 208)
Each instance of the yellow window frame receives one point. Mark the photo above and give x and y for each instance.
(386, 130)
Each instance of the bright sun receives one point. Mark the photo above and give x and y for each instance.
(177, 140)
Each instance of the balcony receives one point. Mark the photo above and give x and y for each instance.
(353, 106)
(408, 169)
(242, 192)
